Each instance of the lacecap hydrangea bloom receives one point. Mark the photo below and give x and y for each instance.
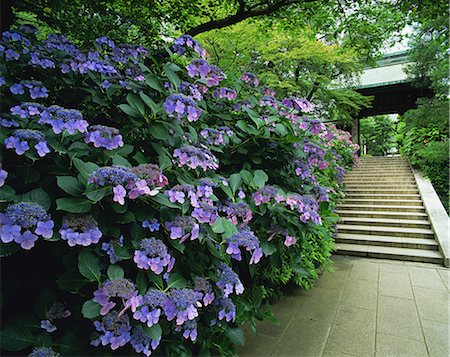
(217, 136)
(181, 44)
(250, 79)
(149, 307)
(204, 286)
(56, 312)
(244, 237)
(181, 106)
(153, 254)
(182, 304)
(201, 68)
(183, 227)
(189, 329)
(23, 223)
(115, 330)
(109, 248)
(43, 352)
(21, 139)
(102, 136)
(227, 309)
(80, 230)
(35, 89)
(61, 119)
(196, 156)
(228, 280)
(27, 110)
(142, 343)
(120, 288)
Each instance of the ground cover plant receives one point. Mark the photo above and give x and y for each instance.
(150, 203)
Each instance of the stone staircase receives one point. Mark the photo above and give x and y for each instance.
(383, 216)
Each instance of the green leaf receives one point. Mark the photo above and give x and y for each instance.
(91, 309)
(44, 300)
(15, 338)
(8, 249)
(96, 193)
(129, 110)
(155, 279)
(150, 103)
(7, 193)
(268, 248)
(70, 185)
(73, 205)
(236, 336)
(171, 75)
(38, 196)
(235, 182)
(71, 281)
(254, 117)
(260, 178)
(217, 227)
(115, 271)
(281, 129)
(177, 281)
(89, 265)
(85, 168)
(136, 103)
(141, 283)
(154, 332)
(120, 161)
(153, 82)
(163, 200)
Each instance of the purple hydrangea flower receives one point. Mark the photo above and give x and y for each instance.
(149, 309)
(153, 225)
(27, 216)
(186, 41)
(264, 195)
(152, 174)
(21, 138)
(181, 106)
(56, 312)
(236, 211)
(27, 110)
(205, 212)
(190, 90)
(104, 137)
(194, 156)
(226, 93)
(3, 176)
(289, 240)
(306, 205)
(183, 227)
(115, 329)
(217, 136)
(204, 286)
(35, 89)
(250, 79)
(244, 237)
(189, 329)
(178, 193)
(182, 304)
(120, 288)
(201, 68)
(227, 309)
(109, 247)
(152, 254)
(8, 123)
(80, 230)
(43, 352)
(2, 81)
(143, 343)
(61, 119)
(302, 105)
(119, 194)
(228, 281)
(17, 89)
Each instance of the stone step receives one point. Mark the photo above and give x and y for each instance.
(381, 208)
(386, 241)
(388, 196)
(392, 168)
(363, 186)
(394, 176)
(416, 255)
(385, 231)
(372, 190)
(383, 202)
(386, 222)
(382, 214)
(373, 181)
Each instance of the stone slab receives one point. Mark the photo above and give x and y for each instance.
(395, 284)
(437, 338)
(394, 346)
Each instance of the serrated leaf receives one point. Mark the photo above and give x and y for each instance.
(171, 75)
(163, 200)
(96, 193)
(177, 281)
(38, 196)
(15, 338)
(136, 103)
(129, 110)
(153, 82)
(115, 271)
(85, 168)
(71, 281)
(150, 103)
(154, 332)
(91, 309)
(235, 182)
(217, 227)
(120, 161)
(73, 205)
(89, 266)
(260, 178)
(70, 185)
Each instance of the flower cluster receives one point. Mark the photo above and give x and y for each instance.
(191, 90)
(212, 74)
(152, 254)
(228, 281)
(109, 248)
(43, 352)
(115, 329)
(250, 79)
(315, 154)
(205, 212)
(143, 343)
(269, 101)
(182, 106)
(35, 89)
(153, 225)
(300, 104)
(21, 139)
(244, 237)
(103, 137)
(118, 288)
(183, 227)
(204, 286)
(182, 304)
(236, 211)
(56, 312)
(149, 309)
(306, 205)
(151, 173)
(27, 110)
(196, 156)
(80, 230)
(217, 136)
(3, 176)
(26, 216)
(180, 44)
(227, 309)
(9, 123)
(189, 329)
(289, 240)
(62, 119)
(265, 194)
(322, 193)
(315, 127)
(225, 93)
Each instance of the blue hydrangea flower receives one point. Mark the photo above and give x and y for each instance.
(35, 89)
(142, 343)
(43, 352)
(190, 90)
(80, 230)
(108, 247)
(153, 225)
(115, 329)
(103, 136)
(152, 254)
(196, 156)
(25, 216)
(149, 309)
(178, 194)
(244, 237)
(205, 212)
(8, 123)
(189, 329)
(21, 139)
(217, 136)
(182, 304)
(226, 93)
(181, 106)
(183, 227)
(228, 281)
(186, 41)
(152, 174)
(120, 288)
(250, 79)
(27, 110)
(201, 68)
(2, 81)
(61, 119)
(238, 211)
(227, 309)
(204, 286)
(56, 312)
(3, 176)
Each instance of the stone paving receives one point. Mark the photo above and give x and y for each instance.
(366, 307)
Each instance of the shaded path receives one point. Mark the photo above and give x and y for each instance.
(366, 307)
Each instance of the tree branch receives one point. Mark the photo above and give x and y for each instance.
(243, 14)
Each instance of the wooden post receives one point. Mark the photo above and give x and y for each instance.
(355, 133)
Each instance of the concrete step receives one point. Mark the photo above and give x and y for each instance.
(382, 214)
(416, 255)
(372, 190)
(383, 183)
(386, 241)
(381, 208)
(394, 176)
(392, 168)
(380, 186)
(399, 196)
(386, 222)
(383, 202)
(385, 231)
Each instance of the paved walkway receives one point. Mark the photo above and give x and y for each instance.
(366, 307)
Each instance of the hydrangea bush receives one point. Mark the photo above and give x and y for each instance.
(151, 203)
